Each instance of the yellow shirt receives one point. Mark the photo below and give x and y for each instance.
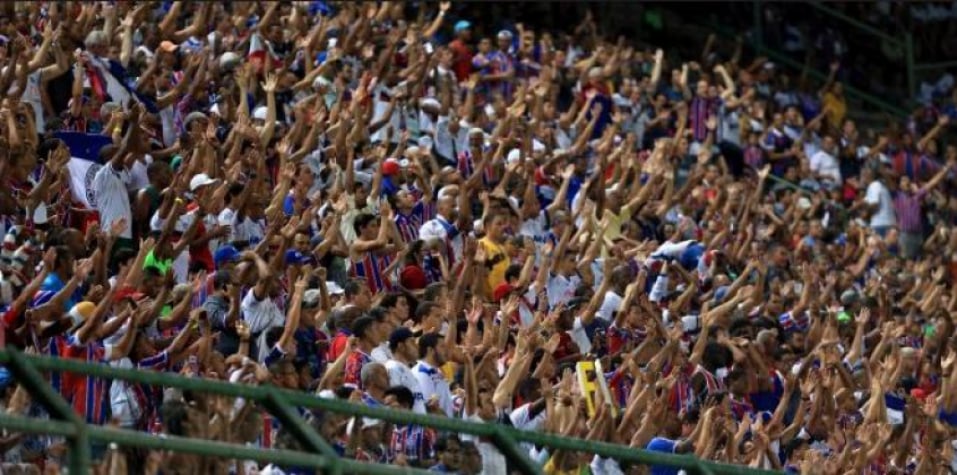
(551, 469)
(495, 254)
(836, 109)
(615, 220)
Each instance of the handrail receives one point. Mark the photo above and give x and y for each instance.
(504, 436)
(187, 445)
(936, 65)
(855, 23)
(849, 90)
(907, 42)
(779, 57)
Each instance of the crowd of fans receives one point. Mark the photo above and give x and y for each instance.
(372, 202)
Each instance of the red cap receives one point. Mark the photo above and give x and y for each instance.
(390, 167)
(128, 293)
(413, 278)
(501, 291)
(918, 394)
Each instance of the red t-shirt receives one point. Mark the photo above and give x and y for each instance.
(461, 60)
(201, 253)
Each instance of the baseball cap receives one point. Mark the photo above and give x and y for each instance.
(192, 116)
(505, 34)
(127, 292)
(228, 61)
(80, 313)
(200, 180)
(259, 113)
(296, 257)
(462, 25)
(413, 278)
(226, 254)
(400, 335)
(849, 297)
(310, 298)
(334, 288)
(390, 167)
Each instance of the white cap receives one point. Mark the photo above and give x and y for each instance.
(425, 142)
(229, 60)
(447, 191)
(430, 102)
(321, 81)
(260, 113)
(334, 288)
(514, 155)
(689, 323)
(199, 181)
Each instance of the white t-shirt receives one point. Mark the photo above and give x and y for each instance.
(123, 405)
(580, 336)
(139, 178)
(381, 353)
(492, 460)
(434, 228)
(444, 138)
(112, 198)
(878, 194)
(401, 375)
(432, 382)
(560, 289)
(609, 306)
(261, 315)
(522, 419)
(826, 165)
(31, 95)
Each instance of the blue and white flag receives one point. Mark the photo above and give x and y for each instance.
(84, 163)
(112, 79)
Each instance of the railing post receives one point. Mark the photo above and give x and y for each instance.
(305, 434)
(511, 450)
(911, 72)
(37, 386)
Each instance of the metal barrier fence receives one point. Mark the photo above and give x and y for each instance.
(756, 42)
(28, 371)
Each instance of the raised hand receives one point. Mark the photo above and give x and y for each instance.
(271, 83)
(118, 226)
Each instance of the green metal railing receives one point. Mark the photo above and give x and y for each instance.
(913, 68)
(761, 49)
(28, 371)
(907, 43)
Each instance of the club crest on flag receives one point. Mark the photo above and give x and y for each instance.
(88, 183)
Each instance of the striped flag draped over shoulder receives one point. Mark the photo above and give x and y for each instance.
(84, 163)
(109, 77)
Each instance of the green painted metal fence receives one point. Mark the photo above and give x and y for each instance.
(28, 371)
(757, 43)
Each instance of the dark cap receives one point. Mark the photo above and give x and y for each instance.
(398, 336)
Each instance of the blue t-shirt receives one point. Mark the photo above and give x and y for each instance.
(50, 286)
(661, 444)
